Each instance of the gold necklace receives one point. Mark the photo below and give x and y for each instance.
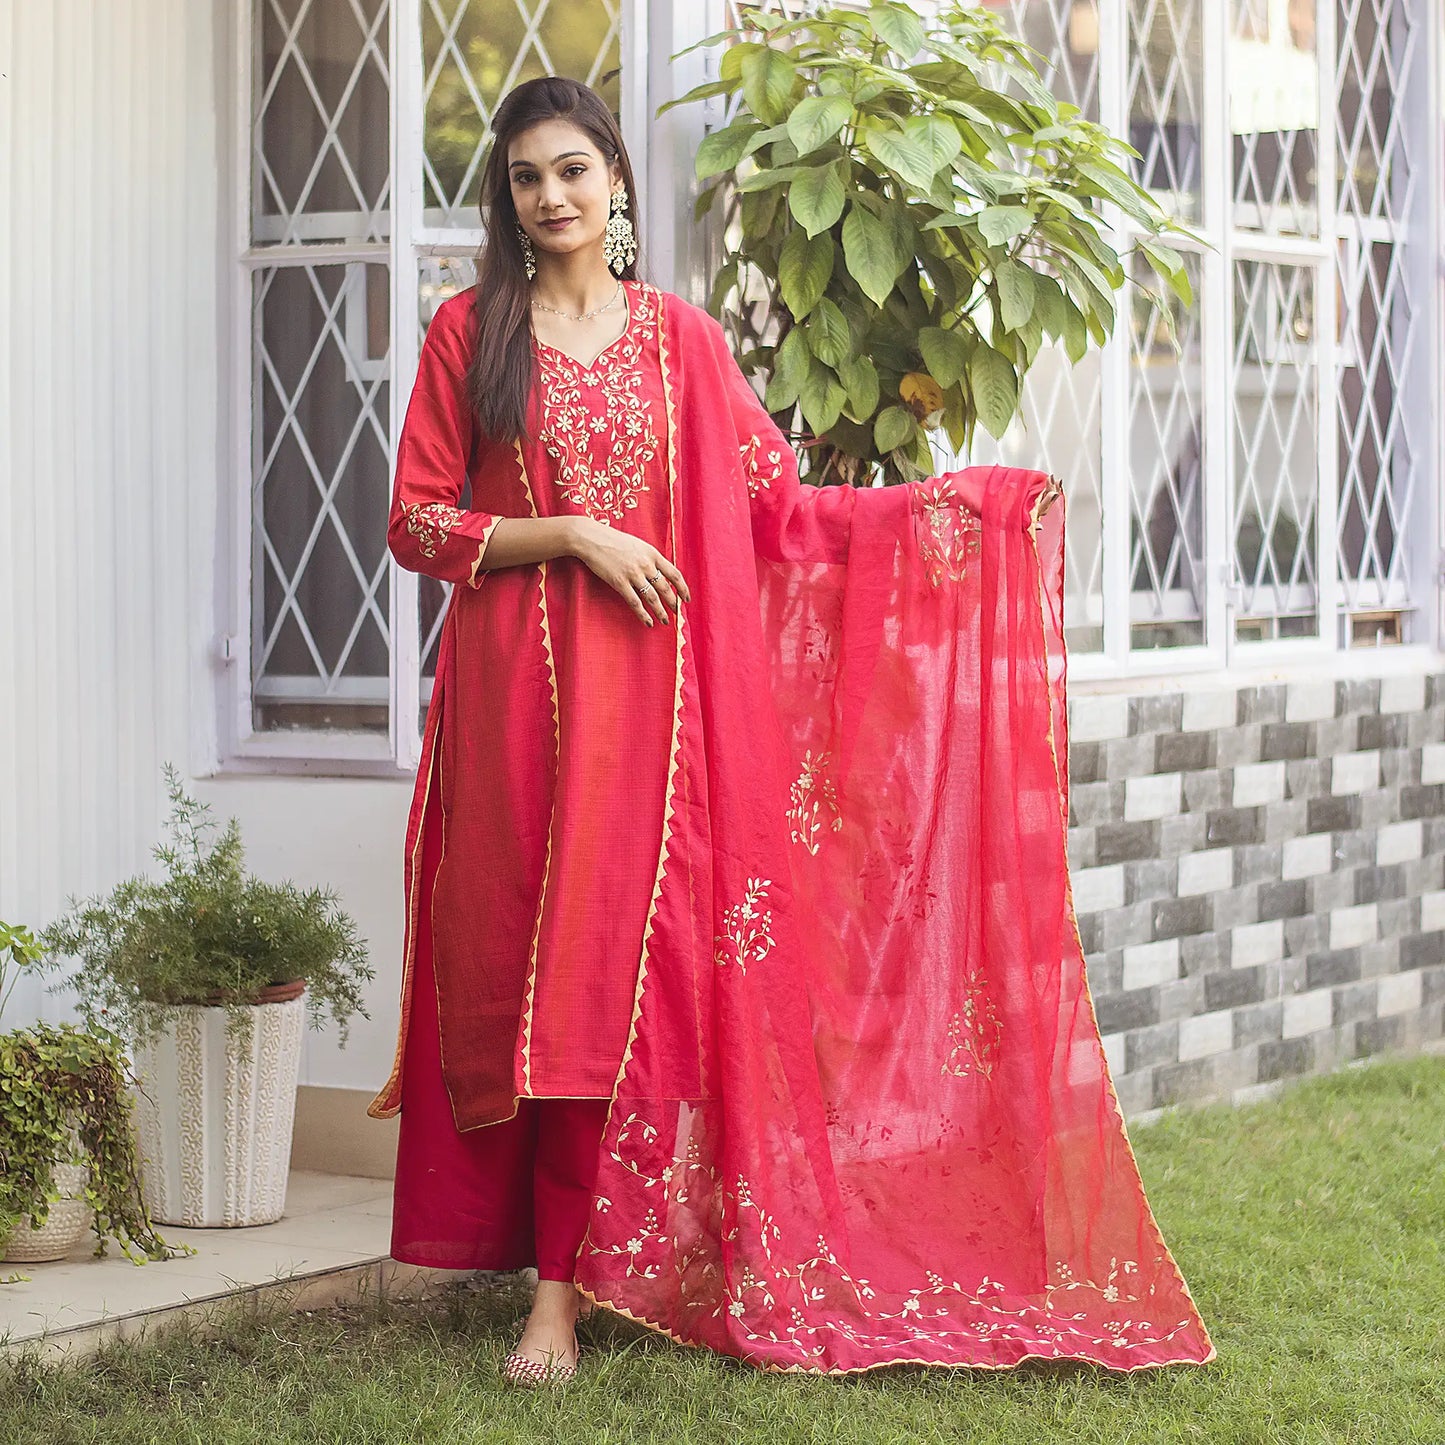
(586, 315)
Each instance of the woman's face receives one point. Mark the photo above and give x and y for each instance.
(561, 187)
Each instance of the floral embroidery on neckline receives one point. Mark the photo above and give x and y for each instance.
(601, 444)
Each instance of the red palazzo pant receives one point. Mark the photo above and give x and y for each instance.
(504, 1196)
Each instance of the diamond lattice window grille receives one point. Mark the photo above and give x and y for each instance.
(321, 634)
(1166, 85)
(474, 52)
(319, 142)
(1274, 108)
(1276, 462)
(1166, 463)
(1379, 457)
(439, 278)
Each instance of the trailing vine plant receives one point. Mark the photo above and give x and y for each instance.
(64, 1098)
(916, 215)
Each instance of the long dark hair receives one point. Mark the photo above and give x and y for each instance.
(499, 379)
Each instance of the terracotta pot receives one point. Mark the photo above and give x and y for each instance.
(272, 993)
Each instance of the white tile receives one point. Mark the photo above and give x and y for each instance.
(1307, 1013)
(1354, 772)
(1256, 783)
(1308, 856)
(1309, 701)
(1350, 927)
(1254, 943)
(1098, 718)
(1206, 872)
(1096, 889)
(1146, 964)
(1399, 842)
(1399, 993)
(1432, 763)
(1402, 694)
(1156, 795)
(1209, 709)
(1205, 1034)
(1432, 911)
(1114, 1054)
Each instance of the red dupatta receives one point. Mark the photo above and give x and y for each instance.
(906, 1146)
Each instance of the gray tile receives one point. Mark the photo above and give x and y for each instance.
(1284, 1058)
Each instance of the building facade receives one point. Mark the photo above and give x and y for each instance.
(228, 225)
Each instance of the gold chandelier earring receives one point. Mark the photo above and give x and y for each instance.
(619, 244)
(529, 256)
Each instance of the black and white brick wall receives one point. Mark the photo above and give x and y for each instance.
(1259, 878)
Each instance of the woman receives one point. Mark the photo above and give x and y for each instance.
(741, 992)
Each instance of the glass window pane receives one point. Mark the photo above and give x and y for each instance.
(473, 53)
(1166, 86)
(1274, 114)
(321, 152)
(320, 489)
(1166, 463)
(1276, 461)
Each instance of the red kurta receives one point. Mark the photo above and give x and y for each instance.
(862, 1113)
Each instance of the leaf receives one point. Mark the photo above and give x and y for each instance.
(828, 334)
(730, 67)
(1015, 292)
(1076, 331)
(998, 225)
(907, 155)
(816, 120)
(868, 250)
(723, 149)
(937, 136)
(1049, 304)
(764, 180)
(816, 198)
(860, 377)
(995, 389)
(804, 269)
(822, 397)
(768, 77)
(923, 395)
(894, 426)
(898, 28)
(945, 353)
(790, 369)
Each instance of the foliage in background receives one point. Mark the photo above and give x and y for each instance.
(65, 1098)
(921, 215)
(206, 933)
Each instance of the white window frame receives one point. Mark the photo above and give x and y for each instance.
(677, 255)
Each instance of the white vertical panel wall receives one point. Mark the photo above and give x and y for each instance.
(114, 277)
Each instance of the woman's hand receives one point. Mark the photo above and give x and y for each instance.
(631, 566)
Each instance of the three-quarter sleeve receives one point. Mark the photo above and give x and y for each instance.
(427, 531)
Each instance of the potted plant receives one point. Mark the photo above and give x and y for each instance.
(207, 974)
(912, 217)
(67, 1152)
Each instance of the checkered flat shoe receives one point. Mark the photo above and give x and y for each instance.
(519, 1370)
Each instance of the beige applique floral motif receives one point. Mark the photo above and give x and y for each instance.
(430, 523)
(747, 929)
(974, 1031)
(760, 468)
(600, 456)
(950, 535)
(811, 796)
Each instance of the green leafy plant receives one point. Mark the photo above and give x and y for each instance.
(63, 1087)
(206, 933)
(916, 215)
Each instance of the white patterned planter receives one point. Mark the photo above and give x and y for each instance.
(66, 1224)
(214, 1117)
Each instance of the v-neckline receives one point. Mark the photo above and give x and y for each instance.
(616, 340)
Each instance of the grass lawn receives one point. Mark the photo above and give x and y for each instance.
(1309, 1228)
